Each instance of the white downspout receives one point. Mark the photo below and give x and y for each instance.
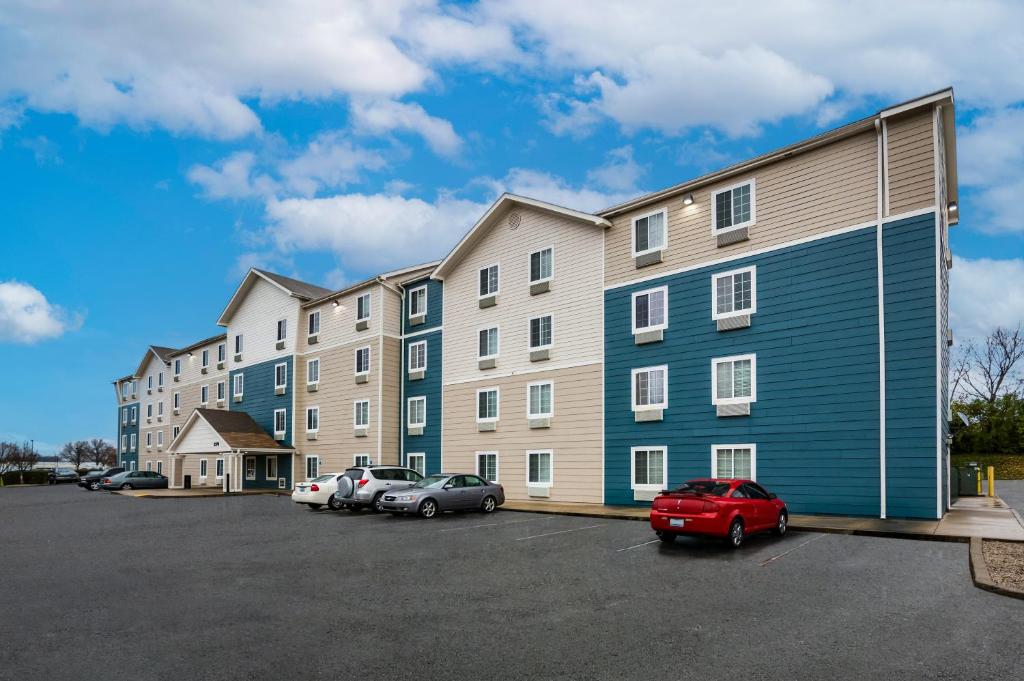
(880, 131)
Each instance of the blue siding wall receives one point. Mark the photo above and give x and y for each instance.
(910, 366)
(284, 470)
(430, 385)
(259, 401)
(128, 430)
(815, 334)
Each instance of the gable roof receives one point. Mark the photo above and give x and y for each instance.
(487, 221)
(236, 429)
(198, 344)
(293, 287)
(402, 275)
(160, 352)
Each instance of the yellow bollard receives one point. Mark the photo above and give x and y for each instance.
(979, 481)
(991, 481)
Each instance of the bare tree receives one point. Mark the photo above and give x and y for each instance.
(7, 456)
(102, 452)
(75, 452)
(990, 370)
(22, 457)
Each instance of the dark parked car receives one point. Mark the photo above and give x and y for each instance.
(60, 475)
(93, 479)
(445, 492)
(135, 480)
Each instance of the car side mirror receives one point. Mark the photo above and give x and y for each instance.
(773, 496)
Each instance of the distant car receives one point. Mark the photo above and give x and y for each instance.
(92, 479)
(135, 480)
(318, 491)
(365, 486)
(60, 475)
(445, 492)
(726, 508)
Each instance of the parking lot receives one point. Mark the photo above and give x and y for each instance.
(100, 586)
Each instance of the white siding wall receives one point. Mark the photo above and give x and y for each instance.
(256, 319)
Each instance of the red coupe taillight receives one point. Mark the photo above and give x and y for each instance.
(363, 482)
(106, 481)
(710, 507)
(314, 488)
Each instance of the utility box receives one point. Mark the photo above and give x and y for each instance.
(969, 476)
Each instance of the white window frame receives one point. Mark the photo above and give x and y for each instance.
(266, 467)
(222, 391)
(551, 412)
(369, 307)
(176, 400)
(412, 297)
(160, 438)
(159, 467)
(715, 361)
(632, 388)
(204, 395)
(282, 330)
(238, 385)
(160, 380)
(664, 311)
(239, 343)
(551, 473)
(309, 363)
(175, 430)
(204, 469)
(417, 344)
(753, 458)
(497, 285)
(132, 443)
(245, 467)
(647, 487)
(408, 411)
(529, 265)
(284, 413)
(316, 410)
(222, 352)
(355, 414)
(177, 366)
(632, 232)
(160, 408)
(419, 455)
(149, 440)
(369, 361)
(715, 314)
(276, 367)
(529, 332)
(497, 405)
(497, 345)
(218, 468)
(205, 358)
(149, 466)
(124, 416)
(124, 444)
(135, 415)
(753, 206)
(309, 322)
(362, 460)
(149, 382)
(149, 410)
(497, 466)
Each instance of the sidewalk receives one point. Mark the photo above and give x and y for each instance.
(988, 518)
(194, 493)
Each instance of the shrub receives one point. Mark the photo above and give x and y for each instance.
(28, 477)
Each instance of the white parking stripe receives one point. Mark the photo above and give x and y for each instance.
(786, 553)
(636, 546)
(548, 534)
(510, 522)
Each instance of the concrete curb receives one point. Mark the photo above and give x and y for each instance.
(211, 495)
(981, 576)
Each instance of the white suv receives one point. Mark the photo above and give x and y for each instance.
(362, 486)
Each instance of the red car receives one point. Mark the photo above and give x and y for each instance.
(731, 509)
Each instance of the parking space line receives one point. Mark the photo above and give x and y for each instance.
(510, 522)
(798, 546)
(636, 546)
(548, 534)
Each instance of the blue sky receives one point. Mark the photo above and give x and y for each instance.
(151, 152)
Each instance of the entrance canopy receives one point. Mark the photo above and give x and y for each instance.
(215, 431)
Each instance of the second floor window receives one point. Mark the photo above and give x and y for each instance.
(541, 265)
(238, 344)
(206, 358)
(363, 361)
(539, 400)
(540, 332)
(220, 352)
(418, 301)
(488, 281)
(177, 400)
(649, 232)
(282, 329)
(363, 307)
(488, 343)
(280, 420)
(733, 207)
(314, 323)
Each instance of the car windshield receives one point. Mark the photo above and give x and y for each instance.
(323, 478)
(432, 481)
(709, 487)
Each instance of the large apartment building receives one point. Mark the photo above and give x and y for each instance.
(783, 319)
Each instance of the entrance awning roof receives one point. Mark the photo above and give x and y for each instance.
(219, 430)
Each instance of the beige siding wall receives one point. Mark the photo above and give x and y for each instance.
(390, 400)
(911, 150)
(256, 319)
(338, 322)
(574, 301)
(391, 305)
(151, 399)
(824, 189)
(189, 386)
(574, 435)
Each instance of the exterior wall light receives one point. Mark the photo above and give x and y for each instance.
(336, 303)
(688, 200)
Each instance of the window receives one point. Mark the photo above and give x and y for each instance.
(280, 375)
(135, 388)
(363, 360)
(732, 207)
(312, 419)
(650, 388)
(124, 443)
(361, 460)
(734, 379)
(132, 441)
(222, 389)
(487, 465)
(418, 301)
(149, 439)
(177, 367)
(124, 416)
(124, 387)
(149, 410)
(238, 344)
(650, 468)
(282, 329)
(174, 431)
(271, 467)
(313, 371)
(649, 232)
(361, 413)
(540, 332)
(204, 395)
(149, 465)
(135, 414)
(206, 358)
(149, 382)
(220, 468)
(250, 468)
(202, 468)
(418, 356)
(314, 323)
(488, 281)
(417, 412)
(650, 310)
(312, 466)
(418, 462)
(538, 468)
(160, 408)
(363, 307)
(487, 404)
(280, 421)
(541, 265)
(221, 350)
(160, 380)
(159, 438)
(239, 384)
(159, 467)
(488, 343)
(734, 461)
(540, 400)
(176, 400)
(734, 293)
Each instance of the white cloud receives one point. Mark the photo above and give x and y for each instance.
(991, 159)
(985, 293)
(379, 116)
(620, 173)
(330, 161)
(231, 178)
(27, 317)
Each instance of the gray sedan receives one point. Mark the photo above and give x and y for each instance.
(135, 480)
(445, 492)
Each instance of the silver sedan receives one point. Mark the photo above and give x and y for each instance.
(445, 492)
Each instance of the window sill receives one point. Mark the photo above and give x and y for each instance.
(538, 287)
(644, 337)
(486, 426)
(488, 301)
(739, 321)
(645, 415)
(645, 259)
(741, 409)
